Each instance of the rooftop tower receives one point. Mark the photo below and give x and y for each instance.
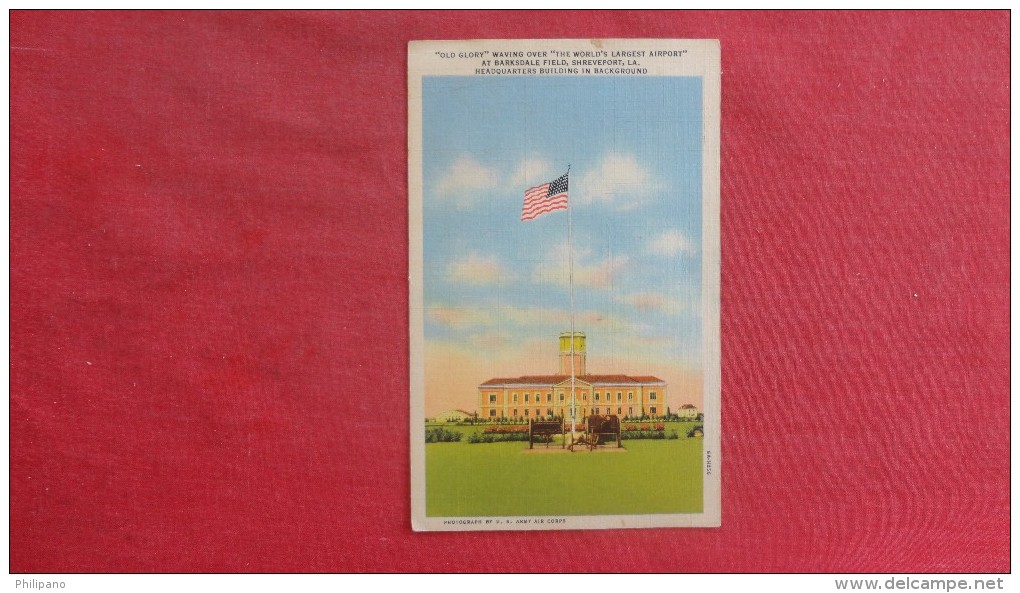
(579, 354)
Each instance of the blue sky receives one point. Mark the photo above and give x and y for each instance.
(496, 293)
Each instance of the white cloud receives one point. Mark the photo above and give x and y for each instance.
(465, 180)
(658, 302)
(618, 180)
(503, 321)
(531, 172)
(459, 317)
(537, 316)
(648, 301)
(545, 317)
(601, 274)
(593, 274)
(671, 243)
(478, 269)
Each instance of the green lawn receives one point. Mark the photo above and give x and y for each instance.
(498, 479)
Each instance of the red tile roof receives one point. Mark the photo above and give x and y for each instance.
(555, 379)
(529, 379)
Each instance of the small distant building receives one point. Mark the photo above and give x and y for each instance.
(453, 416)
(548, 396)
(687, 411)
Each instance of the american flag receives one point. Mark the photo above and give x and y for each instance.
(545, 198)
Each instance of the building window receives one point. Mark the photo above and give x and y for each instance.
(548, 397)
(525, 397)
(596, 410)
(630, 396)
(651, 395)
(515, 412)
(630, 411)
(549, 412)
(492, 398)
(561, 397)
(492, 413)
(584, 397)
(652, 410)
(525, 412)
(619, 410)
(515, 398)
(596, 396)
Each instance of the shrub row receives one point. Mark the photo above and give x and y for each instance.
(441, 435)
(495, 437)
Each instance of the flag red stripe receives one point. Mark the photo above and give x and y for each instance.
(546, 207)
(562, 202)
(537, 200)
(536, 215)
(536, 194)
(538, 190)
(557, 200)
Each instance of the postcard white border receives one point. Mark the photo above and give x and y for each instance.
(456, 58)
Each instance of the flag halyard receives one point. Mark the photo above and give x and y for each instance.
(545, 198)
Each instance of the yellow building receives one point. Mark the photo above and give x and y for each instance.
(548, 396)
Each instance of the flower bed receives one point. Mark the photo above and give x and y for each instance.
(647, 431)
(632, 435)
(644, 427)
(505, 429)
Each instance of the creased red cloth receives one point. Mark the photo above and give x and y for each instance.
(209, 366)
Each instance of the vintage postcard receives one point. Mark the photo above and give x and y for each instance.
(564, 283)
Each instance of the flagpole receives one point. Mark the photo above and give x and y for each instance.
(570, 257)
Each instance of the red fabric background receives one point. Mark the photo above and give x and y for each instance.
(209, 281)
